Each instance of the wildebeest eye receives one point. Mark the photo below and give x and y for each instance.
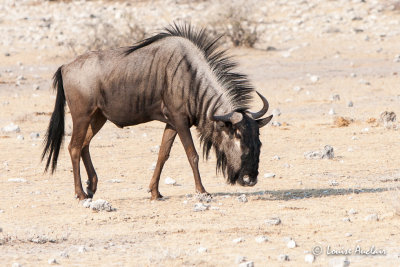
(238, 134)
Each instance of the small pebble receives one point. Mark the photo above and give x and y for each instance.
(242, 198)
(331, 112)
(52, 261)
(283, 257)
(297, 88)
(269, 175)
(276, 157)
(36, 87)
(82, 249)
(352, 211)
(240, 259)
(333, 183)
(17, 180)
(20, 137)
(169, 181)
(247, 264)
(200, 207)
(372, 217)
(202, 250)
(34, 136)
(261, 239)
(348, 234)
(291, 244)
(335, 97)
(314, 78)
(350, 104)
(276, 124)
(276, 112)
(353, 75)
(16, 264)
(273, 221)
(309, 258)
(238, 240)
(346, 219)
(11, 128)
(64, 254)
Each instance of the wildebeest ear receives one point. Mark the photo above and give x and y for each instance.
(263, 122)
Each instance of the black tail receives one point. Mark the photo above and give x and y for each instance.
(55, 132)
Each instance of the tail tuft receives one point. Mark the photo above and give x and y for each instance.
(55, 131)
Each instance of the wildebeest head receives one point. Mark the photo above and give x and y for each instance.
(237, 144)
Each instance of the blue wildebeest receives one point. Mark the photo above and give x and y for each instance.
(180, 77)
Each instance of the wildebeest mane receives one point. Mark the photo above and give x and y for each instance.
(236, 84)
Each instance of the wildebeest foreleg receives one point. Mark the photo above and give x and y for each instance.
(187, 141)
(165, 148)
(80, 126)
(96, 123)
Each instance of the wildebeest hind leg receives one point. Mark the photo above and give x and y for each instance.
(80, 126)
(95, 125)
(165, 148)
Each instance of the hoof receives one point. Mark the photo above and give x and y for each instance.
(82, 196)
(90, 193)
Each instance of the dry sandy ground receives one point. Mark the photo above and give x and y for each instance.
(169, 233)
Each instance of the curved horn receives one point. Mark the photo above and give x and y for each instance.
(259, 114)
(233, 117)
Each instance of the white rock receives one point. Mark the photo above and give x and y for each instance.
(348, 235)
(276, 112)
(261, 239)
(202, 250)
(372, 217)
(283, 257)
(16, 264)
(247, 264)
(17, 180)
(242, 198)
(52, 261)
(82, 249)
(346, 219)
(153, 166)
(333, 183)
(276, 123)
(116, 181)
(339, 262)
(200, 207)
(34, 136)
(155, 149)
(238, 240)
(240, 259)
(169, 181)
(273, 221)
(297, 88)
(326, 153)
(352, 211)
(20, 137)
(335, 97)
(269, 175)
(314, 78)
(64, 254)
(276, 157)
(98, 205)
(11, 128)
(353, 75)
(331, 112)
(291, 244)
(36, 87)
(309, 258)
(365, 130)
